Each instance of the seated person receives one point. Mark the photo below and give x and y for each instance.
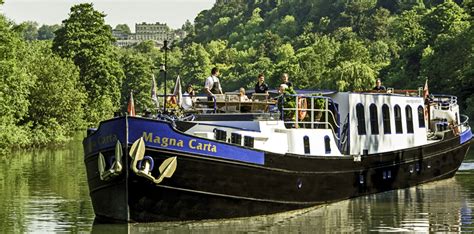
(188, 97)
(242, 96)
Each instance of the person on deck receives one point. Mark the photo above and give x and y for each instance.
(279, 98)
(188, 97)
(242, 96)
(284, 80)
(379, 86)
(213, 85)
(261, 86)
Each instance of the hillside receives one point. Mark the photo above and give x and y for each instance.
(342, 45)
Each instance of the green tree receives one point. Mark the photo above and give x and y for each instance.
(188, 27)
(147, 46)
(314, 62)
(14, 90)
(123, 28)
(46, 32)
(88, 42)
(56, 98)
(138, 78)
(196, 65)
(445, 19)
(288, 27)
(28, 29)
(408, 30)
(376, 28)
(351, 75)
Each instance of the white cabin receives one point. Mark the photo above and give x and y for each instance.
(352, 124)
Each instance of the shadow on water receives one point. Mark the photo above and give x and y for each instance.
(46, 191)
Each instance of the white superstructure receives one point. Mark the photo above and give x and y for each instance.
(350, 124)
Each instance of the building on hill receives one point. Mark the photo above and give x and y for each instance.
(156, 32)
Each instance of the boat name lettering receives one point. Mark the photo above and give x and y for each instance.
(193, 144)
(162, 141)
(107, 139)
(169, 141)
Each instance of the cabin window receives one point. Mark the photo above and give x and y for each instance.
(306, 145)
(409, 116)
(421, 117)
(327, 144)
(386, 119)
(374, 124)
(398, 119)
(220, 135)
(360, 119)
(236, 138)
(248, 141)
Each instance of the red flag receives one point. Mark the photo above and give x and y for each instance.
(131, 106)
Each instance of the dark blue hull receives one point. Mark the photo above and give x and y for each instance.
(221, 180)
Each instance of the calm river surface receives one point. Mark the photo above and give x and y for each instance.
(46, 191)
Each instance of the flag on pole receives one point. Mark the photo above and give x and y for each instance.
(426, 92)
(154, 97)
(178, 94)
(131, 106)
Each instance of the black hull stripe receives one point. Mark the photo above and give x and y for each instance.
(295, 202)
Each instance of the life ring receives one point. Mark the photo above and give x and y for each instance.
(302, 106)
(146, 165)
(171, 100)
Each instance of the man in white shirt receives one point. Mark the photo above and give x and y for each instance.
(212, 85)
(188, 98)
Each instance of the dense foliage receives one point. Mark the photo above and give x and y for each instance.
(87, 40)
(48, 88)
(40, 96)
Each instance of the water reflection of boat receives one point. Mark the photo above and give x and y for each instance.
(222, 165)
(440, 206)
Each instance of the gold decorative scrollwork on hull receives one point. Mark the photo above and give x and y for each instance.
(116, 166)
(137, 153)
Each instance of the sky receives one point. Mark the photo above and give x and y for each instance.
(172, 12)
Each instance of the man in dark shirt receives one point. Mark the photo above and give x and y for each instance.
(379, 86)
(261, 86)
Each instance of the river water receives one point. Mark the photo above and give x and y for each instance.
(46, 191)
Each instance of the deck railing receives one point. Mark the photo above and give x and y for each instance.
(316, 113)
(443, 102)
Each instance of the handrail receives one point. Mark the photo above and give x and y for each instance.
(313, 113)
(441, 98)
